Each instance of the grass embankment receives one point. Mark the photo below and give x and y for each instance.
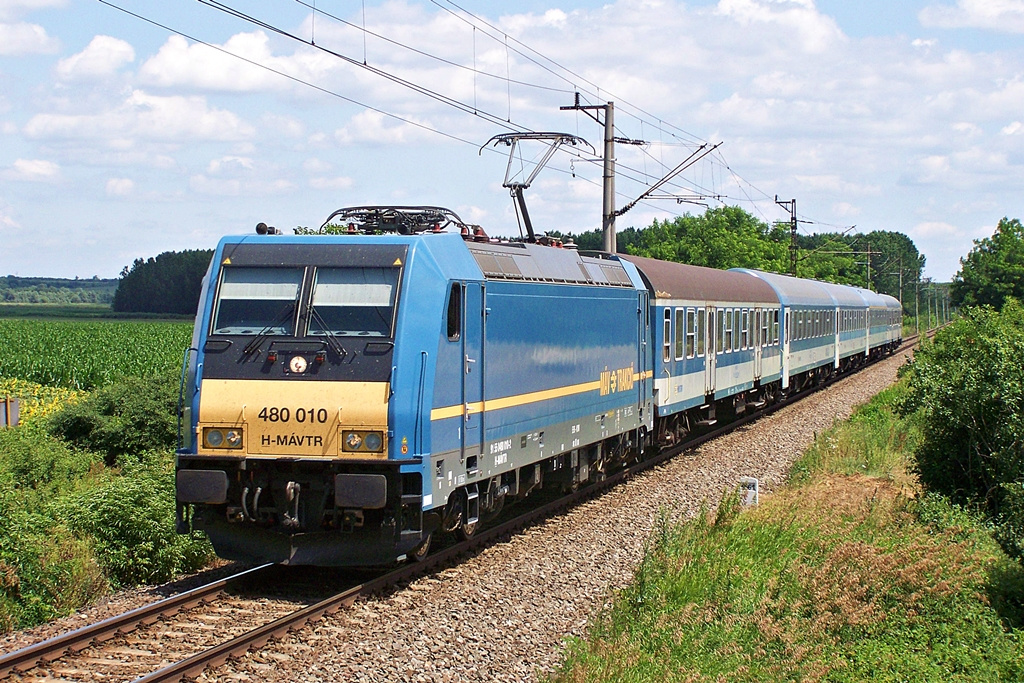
(846, 574)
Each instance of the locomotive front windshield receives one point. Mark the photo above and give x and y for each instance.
(353, 301)
(258, 301)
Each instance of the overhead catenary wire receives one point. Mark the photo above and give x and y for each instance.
(465, 107)
(512, 45)
(290, 77)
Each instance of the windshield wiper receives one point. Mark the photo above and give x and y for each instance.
(254, 345)
(332, 338)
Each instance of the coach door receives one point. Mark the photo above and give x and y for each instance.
(641, 361)
(837, 317)
(758, 339)
(473, 374)
(785, 348)
(709, 350)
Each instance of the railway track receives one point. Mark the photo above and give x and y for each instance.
(79, 651)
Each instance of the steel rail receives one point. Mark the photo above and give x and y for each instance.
(79, 639)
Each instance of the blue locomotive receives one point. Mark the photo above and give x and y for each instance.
(347, 397)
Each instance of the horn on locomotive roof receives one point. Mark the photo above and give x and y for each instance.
(554, 140)
(404, 220)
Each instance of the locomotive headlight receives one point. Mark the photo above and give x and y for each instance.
(220, 437)
(363, 441)
(373, 441)
(233, 438)
(214, 438)
(353, 441)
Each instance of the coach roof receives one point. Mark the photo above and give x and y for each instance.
(695, 283)
(794, 291)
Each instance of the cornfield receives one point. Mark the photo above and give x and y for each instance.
(84, 355)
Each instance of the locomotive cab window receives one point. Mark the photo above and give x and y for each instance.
(455, 312)
(353, 301)
(257, 301)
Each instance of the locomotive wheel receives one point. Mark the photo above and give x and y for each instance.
(467, 531)
(420, 552)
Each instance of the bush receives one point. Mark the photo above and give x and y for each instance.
(968, 385)
(131, 521)
(37, 461)
(132, 416)
(45, 571)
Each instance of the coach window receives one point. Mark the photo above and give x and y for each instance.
(720, 342)
(799, 332)
(702, 315)
(744, 327)
(680, 330)
(728, 330)
(666, 333)
(691, 332)
(775, 326)
(455, 312)
(737, 320)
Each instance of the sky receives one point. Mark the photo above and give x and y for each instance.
(129, 128)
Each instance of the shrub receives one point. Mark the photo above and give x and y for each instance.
(131, 521)
(132, 416)
(32, 460)
(968, 385)
(45, 571)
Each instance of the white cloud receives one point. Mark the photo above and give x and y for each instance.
(102, 57)
(239, 187)
(930, 229)
(314, 165)
(800, 19)
(120, 187)
(180, 63)
(144, 117)
(229, 165)
(33, 170)
(337, 183)
(1015, 128)
(285, 126)
(372, 127)
(26, 39)
(6, 221)
(1006, 16)
(846, 210)
(11, 9)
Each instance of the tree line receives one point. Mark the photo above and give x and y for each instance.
(39, 290)
(729, 237)
(169, 283)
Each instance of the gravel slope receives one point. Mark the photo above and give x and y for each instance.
(504, 614)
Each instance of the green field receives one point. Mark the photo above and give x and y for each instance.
(79, 354)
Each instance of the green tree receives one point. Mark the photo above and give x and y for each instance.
(726, 237)
(169, 283)
(969, 387)
(994, 270)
